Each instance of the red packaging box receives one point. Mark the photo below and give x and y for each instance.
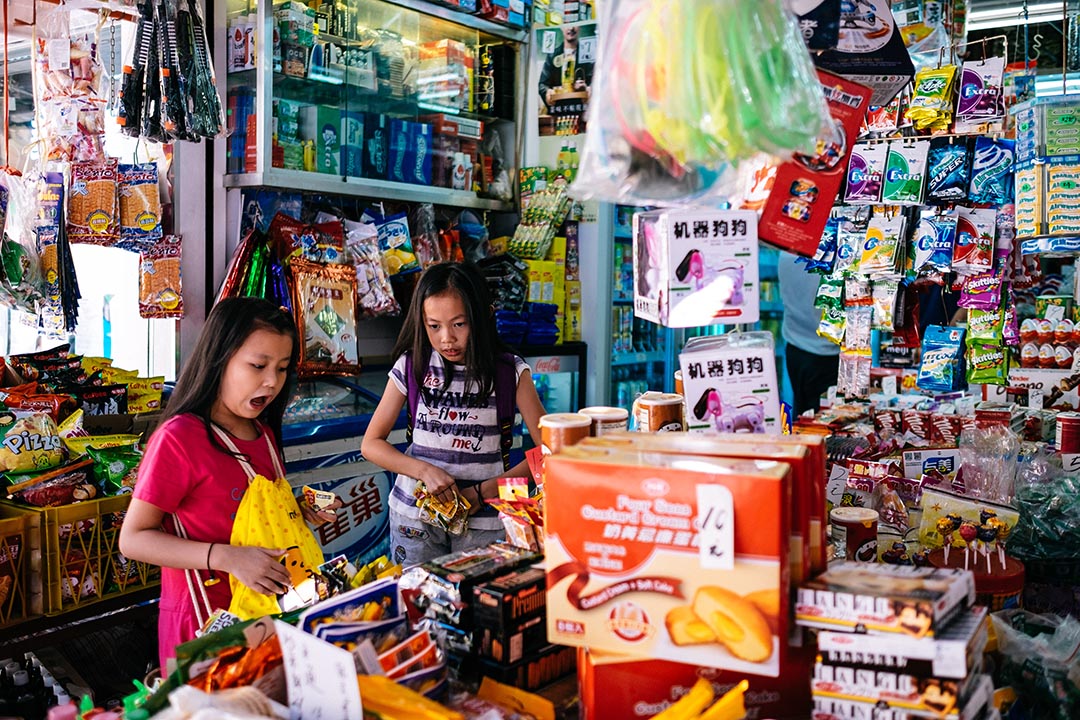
(620, 688)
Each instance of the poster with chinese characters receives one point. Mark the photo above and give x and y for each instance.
(729, 382)
(360, 529)
(566, 57)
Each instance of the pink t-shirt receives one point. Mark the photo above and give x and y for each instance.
(183, 473)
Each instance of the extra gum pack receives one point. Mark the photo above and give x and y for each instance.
(629, 572)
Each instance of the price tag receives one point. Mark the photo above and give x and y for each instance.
(1070, 462)
(321, 678)
(1055, 313)
(831, 395)
(716, 514)
(1076, 361)
(888, 385)
(1035, 398)
(59, 51)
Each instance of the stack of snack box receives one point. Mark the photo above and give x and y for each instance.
(921, 653)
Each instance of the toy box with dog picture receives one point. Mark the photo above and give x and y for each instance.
(696, 267)
(729, 382)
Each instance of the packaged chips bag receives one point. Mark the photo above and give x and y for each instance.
(30, 442)
(325, 307)
(114, 468)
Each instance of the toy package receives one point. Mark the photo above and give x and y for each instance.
(696, 267)
(729, 382)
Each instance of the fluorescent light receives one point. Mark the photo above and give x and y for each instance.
(1004, 17)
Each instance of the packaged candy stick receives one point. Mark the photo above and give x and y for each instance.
(992, 171)
(981, 96)
(981, 292)
(905, 172)
(886, 296)
(866, 171)
(974, 240)
(941, 369)
(987, 362)
(881, 248)
(931, 103)
(948, 170)
(934, 240)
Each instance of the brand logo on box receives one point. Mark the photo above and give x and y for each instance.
(548, 365)
(630, 622)
(655, 487)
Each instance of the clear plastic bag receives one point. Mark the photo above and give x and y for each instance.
(688, 90)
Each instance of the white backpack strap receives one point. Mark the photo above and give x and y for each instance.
(240, 457)
(279, 470)
(196, 589)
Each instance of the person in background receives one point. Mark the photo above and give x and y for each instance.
(812, 361)
(450, 342)
(232, 384)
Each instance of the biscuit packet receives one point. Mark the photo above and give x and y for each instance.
(140, 206)
(29, 441)
(324, 301)
(161, 293)
(93, 212)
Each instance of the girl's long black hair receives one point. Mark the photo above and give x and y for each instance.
(227, 327)
(484, 348)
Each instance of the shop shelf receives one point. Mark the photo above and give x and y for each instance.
(14, 569)
(639, 358)
(294, 180)
(78, 548)
(457, 17)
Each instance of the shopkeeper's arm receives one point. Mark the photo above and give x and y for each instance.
(142, 539)
(378, 450)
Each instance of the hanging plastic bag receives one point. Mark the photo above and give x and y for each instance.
(669, 121)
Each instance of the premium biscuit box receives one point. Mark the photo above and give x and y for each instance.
(969, 707)
(953, 654)
(862, 597)
(804, 473)
(667, 556)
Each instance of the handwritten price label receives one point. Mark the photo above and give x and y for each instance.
(321, 678)
(1070, 462)
(716, 514)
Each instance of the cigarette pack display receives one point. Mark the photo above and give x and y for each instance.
(674, 557)
(913, 601)
(696, 267)
(399, 151)
(954, 654)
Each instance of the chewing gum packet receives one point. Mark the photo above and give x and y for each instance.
(318, 500)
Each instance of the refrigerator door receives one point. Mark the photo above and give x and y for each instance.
(324, 424)
(557, 373)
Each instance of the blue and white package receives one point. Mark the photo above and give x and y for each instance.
(934, 238)
(948, 171)
(992, 171)
(942, 367)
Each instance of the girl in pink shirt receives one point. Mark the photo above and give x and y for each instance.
(191, 481)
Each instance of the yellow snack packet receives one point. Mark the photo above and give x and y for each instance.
(147, 385)
(117, 376)
(144, 402)
(91, 365)
(78, 445)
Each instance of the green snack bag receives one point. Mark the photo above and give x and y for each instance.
(833, 324)
(986, 325)
(987, 363)
(114, 468)
(830, 292)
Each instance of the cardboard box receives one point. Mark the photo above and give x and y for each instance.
(804, 473)
(515, 643)
(917, 462)
(352, 143)
(881, 599)
(955, 653)
(870, 51)
(399, 150)
(376, 146)
(323, 125)
(532, 673)
(696, 267)
(614, 687)
(629, 572)
(968, 708)
(418, 158)
(506, 602)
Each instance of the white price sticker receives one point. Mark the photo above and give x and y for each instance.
(59, 53)
(716, 515)
(1055, 313)
(1035, 398)
(1070, 462)
(321, 678)
(888, 385)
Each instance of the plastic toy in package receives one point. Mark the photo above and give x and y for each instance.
(325, 306)
(667, 122)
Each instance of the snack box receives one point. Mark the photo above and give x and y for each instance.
(954, 654)
(860, 597)
(616, 687)
(507, 601)
(673, 557)
(970, 707)
(803, 473)
(512, 644)
(459, 573)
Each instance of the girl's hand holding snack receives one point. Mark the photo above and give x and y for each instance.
(438, 482)
(258, 568)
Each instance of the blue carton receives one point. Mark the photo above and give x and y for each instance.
(352, 143)
(419, 154)
(399, 150)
